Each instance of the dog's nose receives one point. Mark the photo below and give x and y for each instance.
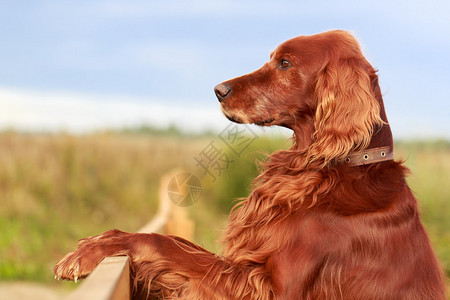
(222, 91)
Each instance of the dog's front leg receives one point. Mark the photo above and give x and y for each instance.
(169, 266)
(160, 264)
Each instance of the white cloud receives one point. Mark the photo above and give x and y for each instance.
(34, 111)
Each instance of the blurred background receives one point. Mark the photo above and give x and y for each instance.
(99, 99)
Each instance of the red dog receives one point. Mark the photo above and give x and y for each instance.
(330, 218)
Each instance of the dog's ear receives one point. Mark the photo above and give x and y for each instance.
(347, 110)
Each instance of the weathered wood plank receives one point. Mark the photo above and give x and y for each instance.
(109, 281)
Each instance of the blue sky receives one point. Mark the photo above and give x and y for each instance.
(89, 64)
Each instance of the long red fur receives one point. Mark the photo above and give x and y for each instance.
(312, 228)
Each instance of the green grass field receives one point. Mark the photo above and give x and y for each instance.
(55, 189)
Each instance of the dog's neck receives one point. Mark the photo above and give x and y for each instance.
(381, 146)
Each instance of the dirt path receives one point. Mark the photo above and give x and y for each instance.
(29, 290)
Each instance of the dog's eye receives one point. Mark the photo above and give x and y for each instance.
(284, 64)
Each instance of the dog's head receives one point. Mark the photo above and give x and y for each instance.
(321, 86)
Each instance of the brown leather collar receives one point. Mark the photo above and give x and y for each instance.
(368, 156)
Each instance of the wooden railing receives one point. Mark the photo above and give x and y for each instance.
(111, 279)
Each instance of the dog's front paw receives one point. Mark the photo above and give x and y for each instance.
(74, 266)
(89, 254)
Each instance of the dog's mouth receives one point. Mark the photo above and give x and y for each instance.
(265, 123)
(259, 123)
(244, 120)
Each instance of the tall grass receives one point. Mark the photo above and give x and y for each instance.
(55, 189)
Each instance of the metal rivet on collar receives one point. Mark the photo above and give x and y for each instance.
(366, 156)
(347, 159)
(383, 154)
